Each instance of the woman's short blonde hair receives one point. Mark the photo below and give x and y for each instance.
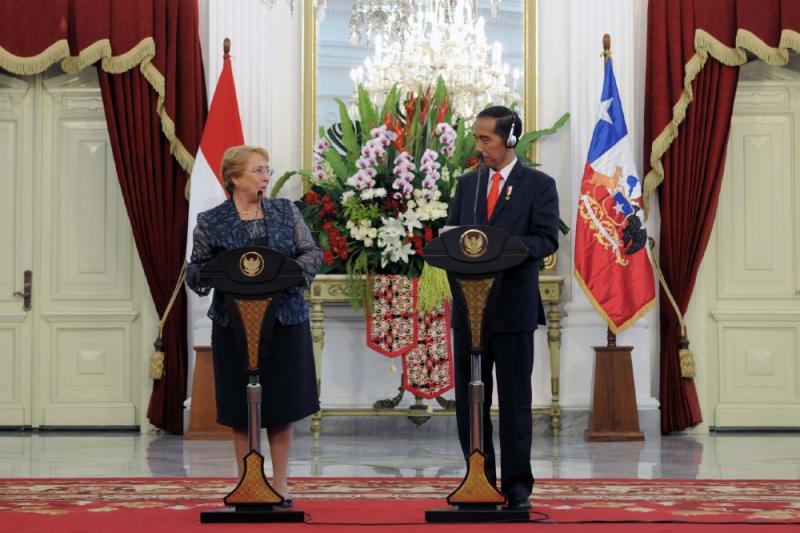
(234, 163)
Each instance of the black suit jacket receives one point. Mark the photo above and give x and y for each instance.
(528, 210)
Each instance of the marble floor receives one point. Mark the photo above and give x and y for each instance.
(404, 454)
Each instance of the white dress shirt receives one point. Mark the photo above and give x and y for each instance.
(505, 171)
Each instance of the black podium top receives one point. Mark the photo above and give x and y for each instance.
(475, 250)
(252, 270)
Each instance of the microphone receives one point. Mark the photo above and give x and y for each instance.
(477, 185)
(252, 235)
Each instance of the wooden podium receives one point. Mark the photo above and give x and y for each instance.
(203, 414)
(251, 281)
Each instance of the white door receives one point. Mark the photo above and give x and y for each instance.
(75, 358)
(16, 216)
(748, 305)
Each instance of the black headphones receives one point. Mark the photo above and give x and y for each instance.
(511, 140)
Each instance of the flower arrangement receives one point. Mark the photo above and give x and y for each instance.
(383, 177)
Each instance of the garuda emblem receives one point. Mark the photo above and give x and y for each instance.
(474, 243)
(251, 264)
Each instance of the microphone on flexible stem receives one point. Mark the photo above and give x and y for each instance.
(477, 185)
(260, 195)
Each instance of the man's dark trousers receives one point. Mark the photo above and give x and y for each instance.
(511, 353)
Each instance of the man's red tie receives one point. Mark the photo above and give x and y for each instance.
(494, 194)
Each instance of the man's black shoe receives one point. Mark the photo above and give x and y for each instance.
(519, 504)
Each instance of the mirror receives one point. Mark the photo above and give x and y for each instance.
(328, 58)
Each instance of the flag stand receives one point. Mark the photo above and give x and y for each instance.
(614, 415)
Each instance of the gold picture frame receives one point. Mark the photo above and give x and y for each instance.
(309, 76)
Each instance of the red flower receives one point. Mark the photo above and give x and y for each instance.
(418, 245)
(423, 113)
(472, 161)
(397, 127)
(311, 197)
(442, 111)
(328, 209)
(327, 257)
(411, 104)
(428, 233)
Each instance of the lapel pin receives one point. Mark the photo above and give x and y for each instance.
(508, 192)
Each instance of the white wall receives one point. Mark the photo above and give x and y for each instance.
(266, 47)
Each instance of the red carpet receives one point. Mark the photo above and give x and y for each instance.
(55, 505)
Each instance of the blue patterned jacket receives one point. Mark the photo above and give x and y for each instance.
(221, 229)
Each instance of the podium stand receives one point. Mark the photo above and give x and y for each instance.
(475, 258)
(252, 280)
(614, 416)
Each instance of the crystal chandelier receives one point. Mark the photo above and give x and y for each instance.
(371, 18)
(448, 40)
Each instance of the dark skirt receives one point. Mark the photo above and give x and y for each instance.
(288, 378)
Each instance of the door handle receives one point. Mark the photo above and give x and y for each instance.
(26, 290)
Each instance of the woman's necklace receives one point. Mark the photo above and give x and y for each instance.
(249, 212)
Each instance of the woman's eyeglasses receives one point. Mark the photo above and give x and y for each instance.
(262, 171)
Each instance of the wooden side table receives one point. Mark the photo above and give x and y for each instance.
(203, 414)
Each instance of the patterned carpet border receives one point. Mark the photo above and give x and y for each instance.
(680, 499)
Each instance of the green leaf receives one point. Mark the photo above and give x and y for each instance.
(280, 183)
(367, 112)
(340, 167)
(523, 146)
(311, 213)
(390, 104)
(349, 138)
(439, 94)
(324, 242)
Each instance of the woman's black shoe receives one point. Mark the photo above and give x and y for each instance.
(287, 503)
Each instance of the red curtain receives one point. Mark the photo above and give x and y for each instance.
(694, 163)
(151, 79)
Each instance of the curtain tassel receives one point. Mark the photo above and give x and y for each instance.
(157, 357)
(685, 355)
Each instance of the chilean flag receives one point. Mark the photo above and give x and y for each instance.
(223, 129)
(611, 261)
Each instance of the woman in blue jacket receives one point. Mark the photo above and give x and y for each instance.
(288, 377)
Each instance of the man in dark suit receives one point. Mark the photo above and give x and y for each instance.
(523, 202)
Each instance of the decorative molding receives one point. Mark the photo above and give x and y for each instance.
(105, 316)
(12, 92)
(759, 72)
(779, 99)
(85, 80)
(10, 317)
(83, 103)
(749, 315)
(13, 83)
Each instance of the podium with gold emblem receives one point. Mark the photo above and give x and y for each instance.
(475, 258)
(252, 280)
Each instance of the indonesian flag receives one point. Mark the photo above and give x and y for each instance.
(611, 261)
(223, 129)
